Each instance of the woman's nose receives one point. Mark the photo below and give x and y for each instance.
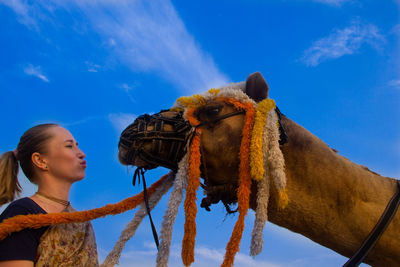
(81, 154)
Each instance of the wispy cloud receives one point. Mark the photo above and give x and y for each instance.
(204, 257)
(23, 10)
(92, 67)
(217, 255)
(145, 35)
(342, 42)
(395, 84)
(121, 120)
(150, 36)
(35, 71)
(333, 2)
(127, 88)
(81, 121)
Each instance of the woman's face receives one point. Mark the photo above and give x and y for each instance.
(64, 159)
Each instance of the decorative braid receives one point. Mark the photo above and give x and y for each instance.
(276, 160)
(20, 222)
(130, 229)
(174, 201)
(256, 147)
(190, 206)
(263, 188)
(244, 183)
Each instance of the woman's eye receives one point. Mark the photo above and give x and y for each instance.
(69, 146)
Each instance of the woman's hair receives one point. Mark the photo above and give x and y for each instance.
(33, 140)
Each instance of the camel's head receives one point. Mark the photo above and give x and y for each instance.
(163, 138)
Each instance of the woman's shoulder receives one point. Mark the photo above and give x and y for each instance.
(21, 206)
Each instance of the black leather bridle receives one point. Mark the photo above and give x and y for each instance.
(378, 230)
(138, 133)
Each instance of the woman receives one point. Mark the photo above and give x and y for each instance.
(50, 158)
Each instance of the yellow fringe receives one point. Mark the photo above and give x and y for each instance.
(214, 91)
(192, 101)
(283, 199)
(256, 155)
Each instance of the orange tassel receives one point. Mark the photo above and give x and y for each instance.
(191, 117)
(21, 222)
(188, 242)
(243, 193)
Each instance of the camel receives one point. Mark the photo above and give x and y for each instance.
(331, 200)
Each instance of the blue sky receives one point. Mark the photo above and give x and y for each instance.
(93, 66)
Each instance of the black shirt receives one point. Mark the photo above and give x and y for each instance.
(21, 245)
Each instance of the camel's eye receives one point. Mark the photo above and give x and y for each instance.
(209, 113)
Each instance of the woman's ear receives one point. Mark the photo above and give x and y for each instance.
(39, 161)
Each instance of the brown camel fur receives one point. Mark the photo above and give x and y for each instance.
(332, 200)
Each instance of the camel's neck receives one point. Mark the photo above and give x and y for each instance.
(333, 201)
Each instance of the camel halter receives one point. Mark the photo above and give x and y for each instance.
(135, 135)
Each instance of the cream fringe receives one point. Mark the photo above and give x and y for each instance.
(234, 90)
(276, 160)
(174, 201)
(262, 201)
(130, 229)
(274, 165)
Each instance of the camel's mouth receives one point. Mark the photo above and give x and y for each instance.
(156, 140)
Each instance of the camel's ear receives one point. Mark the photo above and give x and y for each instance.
(256, 87)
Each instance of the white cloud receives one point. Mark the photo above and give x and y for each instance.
(204, 256)
(145, 35)
(23, 10)
(217, 255)
(150, 36)
(35, 71)
(121, 120)
(92, 67)
(332, 2)
(126, 87)
(342, 42)
(395, 84)
(81, 121)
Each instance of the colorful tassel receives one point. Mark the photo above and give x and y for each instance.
(188, 242)
(174, 201)
(20, 222)
(130, 229)
(243, 193)
(256, 148)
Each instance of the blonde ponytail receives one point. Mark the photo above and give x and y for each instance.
(9, 185)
